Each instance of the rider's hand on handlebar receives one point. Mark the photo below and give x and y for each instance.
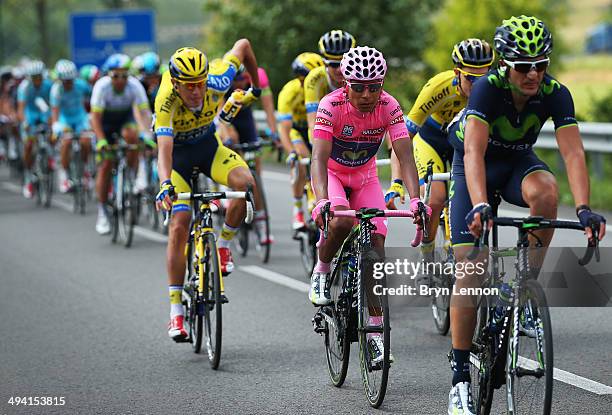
(251, 95)
(316, 213)
(473, 219)
(417, 211)
(166, 195)
(395, 190)
(291, 158)
(588, 218)
(101, 144)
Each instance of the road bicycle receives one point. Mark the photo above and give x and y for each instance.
(516, 346)
(80, 186)
(260, 232)
(203, 292)
(443, 259)
(358, 309)
(43, 178)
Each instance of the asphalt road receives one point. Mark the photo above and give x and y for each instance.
(86, 320)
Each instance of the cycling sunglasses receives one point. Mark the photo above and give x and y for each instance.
(471, 77)
(193, 85)
(359, 88)
(332, 64)
(526, 67)
(119, 75)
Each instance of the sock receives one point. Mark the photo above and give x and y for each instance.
(427, 249)
(297, 204)
(176, 304)
(101, 209)
(321, 266)
(374, 321)
(227, 234)
(461, 366)
(260, 220)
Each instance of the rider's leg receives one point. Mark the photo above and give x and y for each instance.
(298, 184)
(130, 134)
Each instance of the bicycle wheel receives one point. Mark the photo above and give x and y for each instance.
(263, 249)
(308, 248)
(336, 316)
(482, 360)
(529, 365)
(374, 374)
(190, 297)
(440, 304)
(213, 300)
(127, 207)
(243, 239)
(78, 190)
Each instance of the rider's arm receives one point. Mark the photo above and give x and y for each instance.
(572, 151)
(244, 52)
(403, 149)
(321, 150)
(475, 146)
(21, 111)
(395, 162)
(97, 108)
(285, 118)
(164, 157)
(54, 101)
(267, 102)
(142, 111)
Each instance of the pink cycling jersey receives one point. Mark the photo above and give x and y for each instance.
(356, 137)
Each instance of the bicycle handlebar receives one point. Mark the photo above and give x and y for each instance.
(542, 223)
(208, 197)
(382, 162)
(380, 213)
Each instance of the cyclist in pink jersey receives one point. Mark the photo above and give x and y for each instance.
(350, 125)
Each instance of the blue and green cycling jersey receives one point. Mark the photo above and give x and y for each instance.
(511, 131)
(71, 104)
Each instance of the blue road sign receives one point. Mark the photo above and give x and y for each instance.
(95, 36)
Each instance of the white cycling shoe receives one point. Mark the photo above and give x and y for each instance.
(319, 292)
(460, 400)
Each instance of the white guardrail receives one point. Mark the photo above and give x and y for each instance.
(596, 136)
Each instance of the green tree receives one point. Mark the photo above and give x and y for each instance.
(461, 19)
(280, 30)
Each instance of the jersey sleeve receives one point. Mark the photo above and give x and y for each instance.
(482, 100)
(421, 110)
(562, 108)
(222, 73)
(21, 91)
(54, 96)
(324, 121)
(165, 101)
(311, 98)
(285, 112)
(397, 127)
(97, 100)
(140, 95)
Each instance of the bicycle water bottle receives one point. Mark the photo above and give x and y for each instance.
(504, 300)
(232, 106)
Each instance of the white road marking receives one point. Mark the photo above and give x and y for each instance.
(62, 204)
(275, 277)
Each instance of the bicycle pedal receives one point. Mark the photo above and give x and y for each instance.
(224, 299)
(317, 323)
(183, 340)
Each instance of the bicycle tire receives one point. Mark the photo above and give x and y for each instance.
(127, 209)
(243, 239)
(375, 390)
(213, 318)
(482, 361)
(308, 249)
(440, 304)
(520, 399)
(337, 342)
(263, 249)
(190, 294)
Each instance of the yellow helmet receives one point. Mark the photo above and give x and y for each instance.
(188, 65)
(305, 62)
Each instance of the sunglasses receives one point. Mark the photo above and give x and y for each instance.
(193, 85)
(526, 67)
(359, 88)
(332, 64)
(471, 77)
(119, 76)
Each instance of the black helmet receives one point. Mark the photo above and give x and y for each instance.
(523, 37)
(473, 53)
(335, 43)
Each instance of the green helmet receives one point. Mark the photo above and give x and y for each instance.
(523, 37)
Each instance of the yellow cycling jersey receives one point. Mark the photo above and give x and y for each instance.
(316, 86)
(291, 104)
(437, 104)
(174, 119)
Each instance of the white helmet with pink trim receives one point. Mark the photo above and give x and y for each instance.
(363, 63)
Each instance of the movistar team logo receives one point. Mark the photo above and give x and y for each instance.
(352, 155)
(549, 86)
(509, 133)
(347, 130)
